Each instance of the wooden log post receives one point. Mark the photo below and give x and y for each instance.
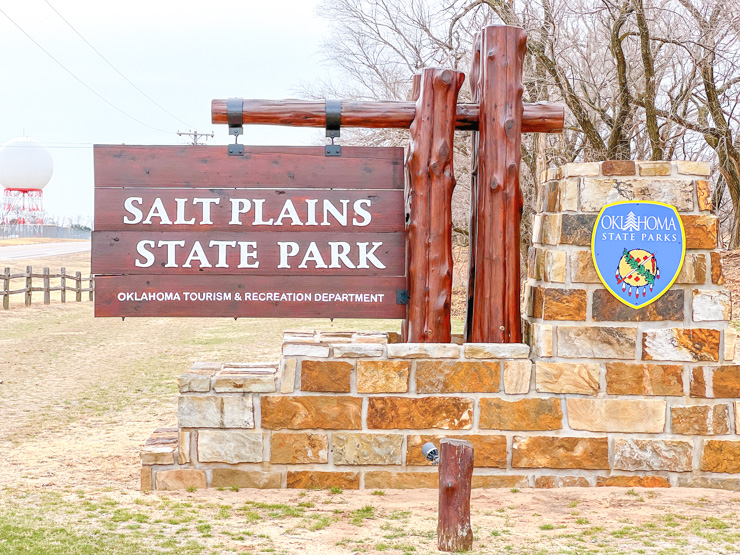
(6, 289)
(432, 180)
(63, 284)
(78, 287)
(496, 315)
(454, 532)
(91, 287)
(46, 285)
(29, 285)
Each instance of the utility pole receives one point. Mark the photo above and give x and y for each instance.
(195, 136)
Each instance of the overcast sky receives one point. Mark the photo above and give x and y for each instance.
(181, 53)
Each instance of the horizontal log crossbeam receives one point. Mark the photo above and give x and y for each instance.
(390, 114)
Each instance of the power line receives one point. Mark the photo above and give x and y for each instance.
(88, 87)
(115, 68)
(195, 136)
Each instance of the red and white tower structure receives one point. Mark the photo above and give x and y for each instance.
(25, 169)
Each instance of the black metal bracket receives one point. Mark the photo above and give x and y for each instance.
(235, 119)
(333, 123)
(402, 296)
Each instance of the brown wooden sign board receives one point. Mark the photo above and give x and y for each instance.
(189, 231)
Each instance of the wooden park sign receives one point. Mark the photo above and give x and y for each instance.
(192, 219)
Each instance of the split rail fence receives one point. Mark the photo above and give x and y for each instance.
(74, 283)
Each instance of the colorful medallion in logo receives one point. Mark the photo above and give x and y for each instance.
(638, 249)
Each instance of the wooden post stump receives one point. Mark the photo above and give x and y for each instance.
(454, 532)
(432, 180)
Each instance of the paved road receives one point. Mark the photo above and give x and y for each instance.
(43, 249)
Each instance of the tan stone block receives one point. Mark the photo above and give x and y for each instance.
(705, 420)
(527, 300)
(229, 446)
(737, 417)
(693, 168)
(596, 342)
(551, 229)
(651, 169)
(305, 350)
(721, 456)
(549, 482)
(725, 380)
(183, 447)
(555, 263)
(287, 375)
(205, 368)
(237, 412)
(447, 376)
(542, 334)
(370, 337)
(681, 344)
(490, 449)
(526, 414)
(364, 449)
(195, 383)
(449, 413)
(569, 195)
(562, 304)
(649, 454)
(617, 415)
(517, 376)
(598, 192)
(633, 481)
(533, 271)
(718, 275)
(618, 167)
(537, 225)
(496, 350)
(185, 478)
(492, 481)
(250, 479)
(711, 305)
(553, 173)
(331, 376)
(566, 377)
(357, 350)
(325, 412)
(158, 454)
(299, 448)
(703, 194)
(582, 268)
(575, 169)
(311, 479)
(607, 308)
(576, 229)
(146, 479)
(701, 231)
(629, 378)
(694, 269)
(215, 411)
(383, 479)
(699, 381)
(589, 453)
(705, 482)
(252, 380)
(299, 336)
(383, 376)
(423, 350)
(730, 342)
(334, 337)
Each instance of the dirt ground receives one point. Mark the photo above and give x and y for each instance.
(79, 396)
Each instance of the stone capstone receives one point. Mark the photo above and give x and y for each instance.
(648, 454)
(597, 192)
(423, 350)
(229, 446)
(305, 350)
(364, 449)
(496, 350)
(357, 350)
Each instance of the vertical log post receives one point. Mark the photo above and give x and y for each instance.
(430, 192)
(29, 285)
(91, 283)
(454, 532)
(78, 287)
(474, 84)
(496, 314)
(46, 286)
(63, 284)
(6, 289)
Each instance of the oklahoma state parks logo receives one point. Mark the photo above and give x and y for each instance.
(638, 249)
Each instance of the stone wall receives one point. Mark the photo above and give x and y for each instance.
(607, 395)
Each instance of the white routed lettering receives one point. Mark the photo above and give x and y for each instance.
(340, 217)
(287, 249)
(128, 205)
(171, 251)
(337, 255)
(206, 202)
(258, 205)
(288, 211)
(360, 211)
(313, 254)
(311, 206)
(180, 219)
(222, 251)
(239, 206)
(198, 254)
(148, 256)
(158, 211)
(366, 255)
(246, 254)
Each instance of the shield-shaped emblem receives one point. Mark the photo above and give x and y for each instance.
(638, 249)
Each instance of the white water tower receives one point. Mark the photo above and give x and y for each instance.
(25, 169)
